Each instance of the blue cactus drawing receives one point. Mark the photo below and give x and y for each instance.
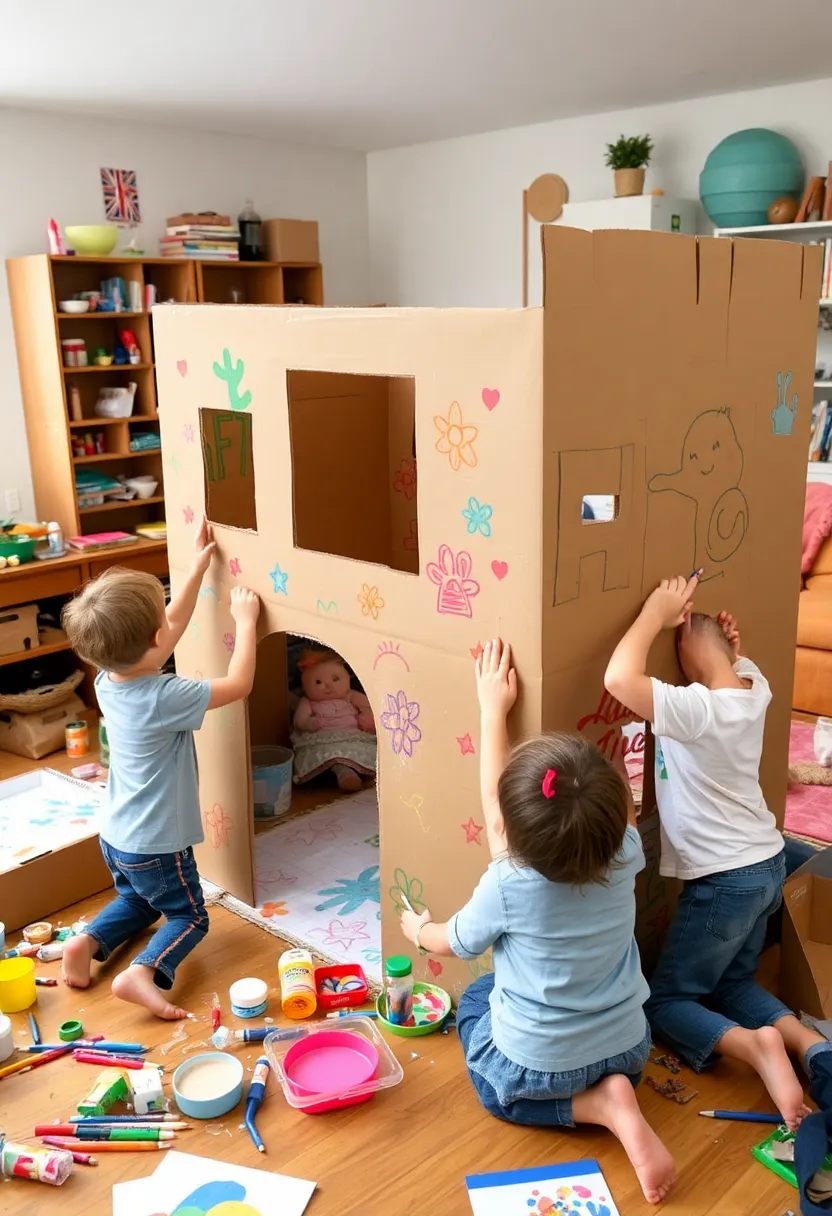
(783, 415)
(232, 374)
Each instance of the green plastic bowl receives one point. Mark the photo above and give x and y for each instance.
(92, 240)
(19, 546)
(421, 1026)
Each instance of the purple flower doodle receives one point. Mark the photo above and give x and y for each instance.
(400, 719)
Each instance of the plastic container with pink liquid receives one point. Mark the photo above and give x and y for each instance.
(328, 1069)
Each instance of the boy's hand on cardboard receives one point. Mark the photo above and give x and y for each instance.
(496, 678)
(671, 603)
(412, 922)
(204, 544)
(245, 605)
(731, 631)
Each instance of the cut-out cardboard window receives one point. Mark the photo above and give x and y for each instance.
(354, 488)
(228, 457)
(599, 508)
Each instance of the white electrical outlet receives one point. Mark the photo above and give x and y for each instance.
(12, 501)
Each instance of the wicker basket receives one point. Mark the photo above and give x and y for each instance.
(39, 699)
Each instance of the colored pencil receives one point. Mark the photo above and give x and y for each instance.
(82, 1158)
(106, 1059)
(108, 1146)
(43, 982)
(353, 1013)
(742, 1116)
(34, 1062)
(35, 1029)
(152, 1117)
(127, 1134)
(103, 1130)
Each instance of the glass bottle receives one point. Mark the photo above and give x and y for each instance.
(251, 234)
(398, 989)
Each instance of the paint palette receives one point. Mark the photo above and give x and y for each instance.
(341, 986)
(371, 1065)
(431, 1005)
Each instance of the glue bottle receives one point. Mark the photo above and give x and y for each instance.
(297, 983)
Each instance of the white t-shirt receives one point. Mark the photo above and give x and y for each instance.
(708, 747)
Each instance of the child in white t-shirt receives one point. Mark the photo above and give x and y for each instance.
(719, 838)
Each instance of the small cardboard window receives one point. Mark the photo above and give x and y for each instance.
(228, 459)
(353, 442)
(599, 508)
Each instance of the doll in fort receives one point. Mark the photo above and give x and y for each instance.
(333, 725)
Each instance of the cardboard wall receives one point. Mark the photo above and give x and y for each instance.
(649, 346)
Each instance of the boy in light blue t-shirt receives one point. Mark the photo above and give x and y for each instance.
(151, 820)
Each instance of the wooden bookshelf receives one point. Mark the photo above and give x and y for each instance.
(36, 285)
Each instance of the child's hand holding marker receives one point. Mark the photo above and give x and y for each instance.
(671, 603)
(411, 921)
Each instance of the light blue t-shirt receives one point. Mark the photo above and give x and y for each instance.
(152, 803)
(568, 988)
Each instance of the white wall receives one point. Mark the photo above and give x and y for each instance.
(49, 166)
(445, 217)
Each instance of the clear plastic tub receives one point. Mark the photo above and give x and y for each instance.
(387, 1073)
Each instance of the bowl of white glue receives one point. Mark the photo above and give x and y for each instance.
(209, 1085)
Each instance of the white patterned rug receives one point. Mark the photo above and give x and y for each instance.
(317, 883)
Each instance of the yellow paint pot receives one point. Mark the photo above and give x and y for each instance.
(17, 984)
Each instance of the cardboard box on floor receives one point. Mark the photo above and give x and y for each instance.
(806, 948)
(670, 373)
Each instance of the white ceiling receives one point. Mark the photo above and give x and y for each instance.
(370, 74)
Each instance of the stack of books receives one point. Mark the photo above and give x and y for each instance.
(101, 540)
(209, 237)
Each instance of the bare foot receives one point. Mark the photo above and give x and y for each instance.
(136, 986)
(76, 959)
(774, 1066)
(348, 779)
(612, 1103)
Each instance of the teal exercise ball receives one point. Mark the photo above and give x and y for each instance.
(745, 174)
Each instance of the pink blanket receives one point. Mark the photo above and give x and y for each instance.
(817, 522)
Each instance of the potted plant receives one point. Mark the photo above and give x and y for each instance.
(629, 158)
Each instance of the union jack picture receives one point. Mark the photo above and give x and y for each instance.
(121, 196)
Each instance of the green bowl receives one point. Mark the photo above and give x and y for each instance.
(92, 240)
(421, 1025)
(19, 546)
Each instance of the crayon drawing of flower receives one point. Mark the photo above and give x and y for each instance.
(409, 888)
(400, 720)
(274, 909)
(478, 514)
(481, 966)
(310, 833)
(456, 441)
(218, 824)
(405, 479)
(228, 642)
(340, 934)
(349, 894)
(370, 601)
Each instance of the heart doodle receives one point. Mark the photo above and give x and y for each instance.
(490, 398)
(435, 968)
(182, 366)
(581, 1191)
(499, 569)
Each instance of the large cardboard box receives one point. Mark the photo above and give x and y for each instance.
(40, 734)
(806, 948)
(19, 629)
(673, 375)
(291, 240)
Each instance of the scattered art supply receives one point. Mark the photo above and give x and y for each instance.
(108, 1058)
(208, 1086)
(673, 1089)
(297, 984)
(32, 1062)
(21, 950)
(154, 1118)
(51, 952)
(146, 1093)
(106, 1146)
(547, 1189)
(36, 1164)
(35, 1029)
(224, 1037)
(17, 984)
(353, 1013)
(398, 989)
(216, 1011)
(776, 1153)
(341, 986)
(102, 1130)
(249, 998)
(82, 1158)
(38, 934)
(42, 981)
(431, 1006)
(77, 740)
(254, 1100)
(331, 1069)
(6, 1038)
(110, 1088)
(117, 1132)
(742, 1116)
(69, 1031)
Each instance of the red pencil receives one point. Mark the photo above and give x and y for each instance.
(103, 1058)
(34, 1061)
(82, 1158)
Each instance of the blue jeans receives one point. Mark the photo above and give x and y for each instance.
(147, 888)
(524, 1095)
(704, 983)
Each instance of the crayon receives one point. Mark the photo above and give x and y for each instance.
(35, 1061)
(107, 1059)
(742, 1116)
(43, 982)
(82, 1158)
(103, 1130)
(107, 1146)
(35, 1029)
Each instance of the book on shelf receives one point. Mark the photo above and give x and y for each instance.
(198, 218)
(153, 531)
(101, 540)
(229, 232)
(819, 441)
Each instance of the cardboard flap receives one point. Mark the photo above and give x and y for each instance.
(820, 926)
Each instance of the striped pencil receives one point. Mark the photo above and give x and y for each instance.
(128, 1135)
(107, 1146)
(106, 1059)
(151, 1117)
(106, 1131)
(34, 1061)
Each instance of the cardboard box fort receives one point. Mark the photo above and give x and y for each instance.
(806, 949)
(671, 373)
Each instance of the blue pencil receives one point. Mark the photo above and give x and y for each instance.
(154, 1117)
(119, 1049)
(742, 1116)
(33, 1025)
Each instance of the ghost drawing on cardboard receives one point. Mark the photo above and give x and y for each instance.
(333, 724)
(504, 420)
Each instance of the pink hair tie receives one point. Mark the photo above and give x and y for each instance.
(548, 783)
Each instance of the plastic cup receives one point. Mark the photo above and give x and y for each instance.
(17, 984)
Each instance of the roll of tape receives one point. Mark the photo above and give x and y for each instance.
(6, 1038)
(38, 934)
(68, 1032)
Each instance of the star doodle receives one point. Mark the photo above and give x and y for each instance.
(472, 831)
(466, 744)
(279, 579)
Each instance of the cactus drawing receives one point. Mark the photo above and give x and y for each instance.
(783, 415)
(232, 374)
